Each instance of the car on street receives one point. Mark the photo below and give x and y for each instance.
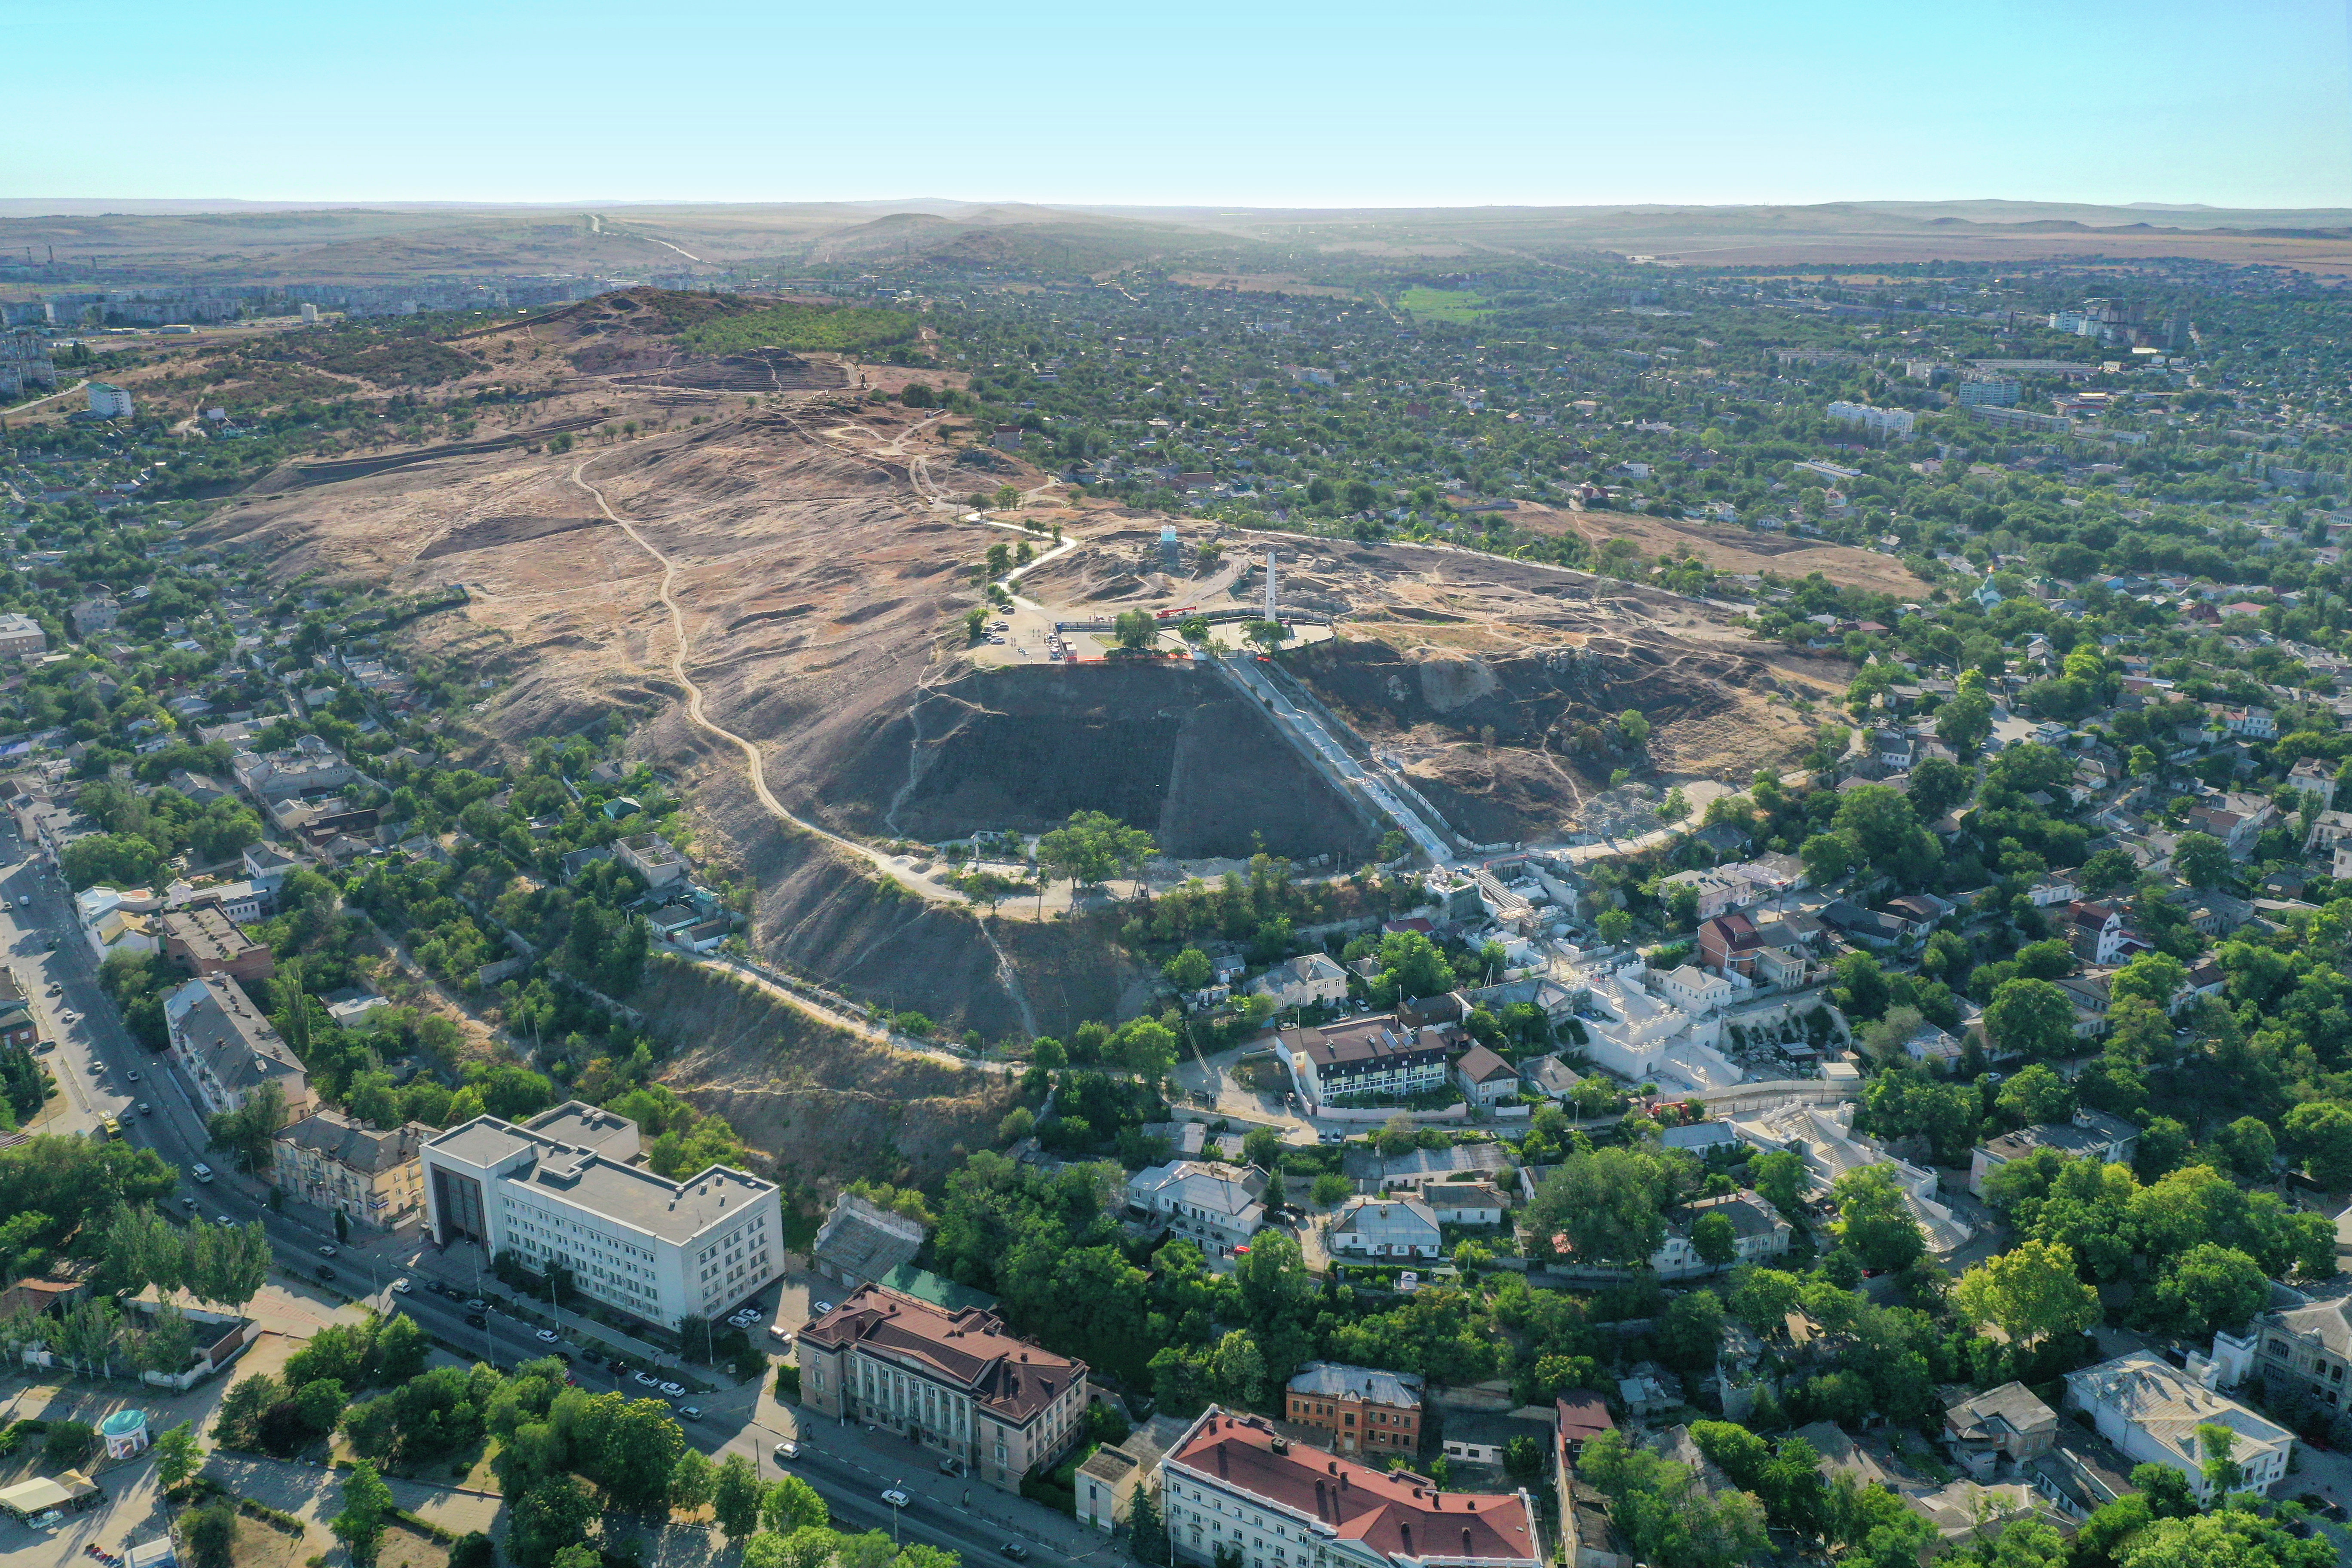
(325, 1273)
(788, 1449)
(689, 1413)
(477, 1304)
(223, 1219)
(646, 1378)
(1014, 1550)
(325, 1250)
(402, 1285)
(673, 1389)
(950, 1466)
(894, 1497)
(201, 1172)
(127, 1077)
(145, 1109)
(547, 1336)
(592, 1358)
(438, 1289)
(819, 1309)
(476, 1320)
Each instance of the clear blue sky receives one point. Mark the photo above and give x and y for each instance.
(2231, 102)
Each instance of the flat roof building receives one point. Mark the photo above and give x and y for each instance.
(566, 1188)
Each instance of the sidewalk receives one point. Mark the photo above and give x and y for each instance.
(314, 1493)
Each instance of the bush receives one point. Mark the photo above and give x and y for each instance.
(473, 1550)
(67, 1445)
(788, 1386)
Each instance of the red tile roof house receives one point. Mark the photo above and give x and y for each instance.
(1235, 1485)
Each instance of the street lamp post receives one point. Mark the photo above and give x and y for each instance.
(895, 1485)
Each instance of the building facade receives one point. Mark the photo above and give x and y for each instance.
(955, 1381)
(1215, 1206)
(569, 1188)
(2151, 1410)
(1234, 1489)
(1360, 1406)
(229, 1050)
(1385, 1057)
(372, 1176)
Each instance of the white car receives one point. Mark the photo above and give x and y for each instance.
(821, 1308)
(400, 1285)
(674, 1390)
(788, 1449)
(547, 1336)
(894, 1497)
(646, 1378)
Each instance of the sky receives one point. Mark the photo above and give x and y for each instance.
(1272, 103)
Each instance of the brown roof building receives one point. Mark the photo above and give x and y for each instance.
(957, 1380)
(1360, 1406)
(1235, 1486)
(206, 942)
(373, 1176)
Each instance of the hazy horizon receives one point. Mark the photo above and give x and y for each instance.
(1689, 103)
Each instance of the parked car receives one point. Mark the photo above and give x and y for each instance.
(646, 1378)
(325, 1273)
(475, 1304)
(1014, 1550)
(223, 1219)
(688, 1413)
(674, 1390)
(950, 1466)
(820, 1309)
(788, 1449)
(592, 1358)
(476, 1320)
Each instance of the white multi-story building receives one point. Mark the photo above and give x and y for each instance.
(1216, 1206)
(21, 637)
(1877, 421)
(569, 1187)
(229, 1050)
(2152, 1410)
(109, 402)
(1236, 1491)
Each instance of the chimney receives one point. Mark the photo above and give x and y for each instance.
(1343, 1481)
(1465, 1541)
(1318, 1497)
(1407, 1530)
(1223, 1463)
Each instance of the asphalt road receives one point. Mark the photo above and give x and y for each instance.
(94, 1060)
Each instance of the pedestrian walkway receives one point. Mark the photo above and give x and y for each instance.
(315, 1494)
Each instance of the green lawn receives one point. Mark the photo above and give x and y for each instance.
(1456, 305)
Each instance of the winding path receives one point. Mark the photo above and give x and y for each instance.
(755, 768)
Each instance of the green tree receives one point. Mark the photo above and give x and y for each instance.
(691, 1480)
(366, 1503)
(2030, 1293)
(1873, 1221)
(1779, 1177)
(2032, 1017)
(1614, 926)
(2319, 1132)
(1188, 969)
(2200, 861)
(211, 1533)
(1612, 1203)
(1092, 847)
(1715, 1239)
(2249, 1147)
(2208, 1287)
(1965, 722)
(735, 1496)
(1136, 629)
(792, 1504)
(249, 1132)
(178, 1456)
(2035, 1097)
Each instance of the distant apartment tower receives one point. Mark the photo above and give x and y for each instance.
(1877, 421)
(24, 362)
(309, 314)
(1989, 392)
(2023, 419)
(109, 402)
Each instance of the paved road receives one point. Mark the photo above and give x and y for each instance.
(95, 1058)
